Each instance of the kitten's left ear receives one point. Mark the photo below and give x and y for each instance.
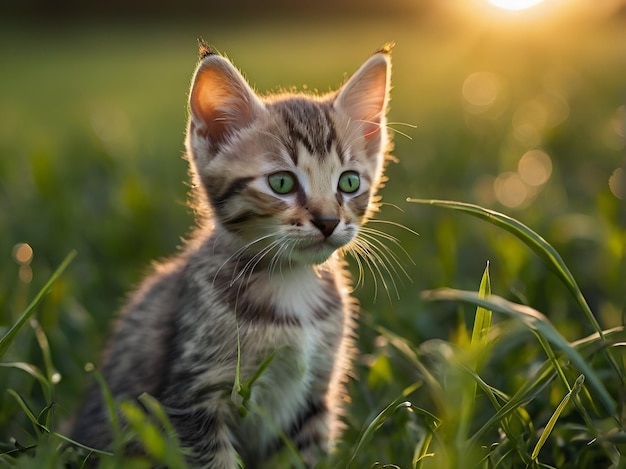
(365, 95)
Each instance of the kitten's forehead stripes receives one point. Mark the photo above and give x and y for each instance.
(308, 123)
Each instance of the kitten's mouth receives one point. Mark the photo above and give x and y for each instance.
(322, 244)
(314, 245)
(317, 251)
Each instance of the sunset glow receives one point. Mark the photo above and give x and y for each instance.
(514, 4)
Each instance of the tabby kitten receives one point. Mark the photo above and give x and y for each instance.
(284, 183)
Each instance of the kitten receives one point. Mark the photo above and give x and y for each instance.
(283, 184)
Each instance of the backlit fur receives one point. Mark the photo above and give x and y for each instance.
(263, 270)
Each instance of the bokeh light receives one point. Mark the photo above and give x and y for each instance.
(23, 255)
(535, 167)
(510, 189)
(516, 189)
(616, 183)
(480, 90)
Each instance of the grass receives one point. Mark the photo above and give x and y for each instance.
(528, 372)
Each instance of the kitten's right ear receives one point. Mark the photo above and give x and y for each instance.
(221, 101)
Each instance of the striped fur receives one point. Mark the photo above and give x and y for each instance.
(263, 269)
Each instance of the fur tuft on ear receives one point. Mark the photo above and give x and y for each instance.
(364, 97)
(204, 50)
(221, 101)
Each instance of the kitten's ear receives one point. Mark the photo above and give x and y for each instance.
(221, 101)
(365, 95)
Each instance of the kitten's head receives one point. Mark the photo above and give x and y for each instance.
(289, 177)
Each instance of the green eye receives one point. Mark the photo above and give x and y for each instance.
(282, 182)
(349, 182)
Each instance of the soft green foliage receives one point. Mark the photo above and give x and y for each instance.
(90, 143)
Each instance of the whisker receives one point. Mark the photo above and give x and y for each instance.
(249, 267)
(382, 234)
(275, 262)
(239, 252)
(361, 277)
(389, 204)
(373, 261)
(396, 131)
(387, 254)
(360, 281)
(379, 258)
(358, 251)
(393, 223)
(393, 239)
(254, 261)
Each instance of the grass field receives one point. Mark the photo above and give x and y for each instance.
(525, 120)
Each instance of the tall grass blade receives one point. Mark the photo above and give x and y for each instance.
(109, 401)
(529, 237)
(482, 319)
(52, 374)
(8, 338)
(536, 321)
(480, 332)
(80, 445)
(420, 454)
(44, 429)
(398, 403)
(298, 460)
(555, 416)
(34, 372)
(406, 349)
(174, 455)
(147, 432)
(29, 413)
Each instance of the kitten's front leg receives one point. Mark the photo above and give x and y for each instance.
(311, 432)
(208, 440)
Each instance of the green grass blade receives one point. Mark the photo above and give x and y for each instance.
(262, 367)
(555, 416)
(482, 319)
(149, 435)
(8, 338)
(398, 403)
(29, 413)
(542, 377)
(510, 407)
(553, 359)
(109, 402)
(406, 350)
(173, 451)
(298, 461)
(479, 340)
(420, 454)
(529, 237)
(80, 445)
(34, 372)
(52, 374)
(44, 415)
(534, 320)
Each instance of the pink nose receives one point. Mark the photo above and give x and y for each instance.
(325, 225)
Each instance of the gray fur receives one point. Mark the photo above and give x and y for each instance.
(258, 272)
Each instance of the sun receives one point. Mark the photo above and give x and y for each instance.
(514, 4)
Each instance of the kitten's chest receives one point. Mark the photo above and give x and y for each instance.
(305, 297)
(304, 325)
(300, 345)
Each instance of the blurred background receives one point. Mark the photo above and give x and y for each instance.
(512, 106)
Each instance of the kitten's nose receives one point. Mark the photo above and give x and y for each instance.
(325, 225)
